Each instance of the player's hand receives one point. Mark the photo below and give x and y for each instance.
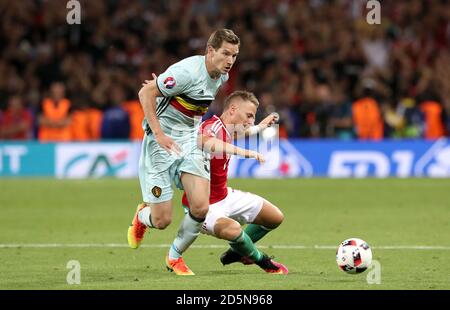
(258, 156)
(148, 81)
(168, 144)
(270, 119)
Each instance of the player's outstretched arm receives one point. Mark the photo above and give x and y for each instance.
(147, 97)
(214, 145)
(268, 121)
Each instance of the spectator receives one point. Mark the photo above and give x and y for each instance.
(434, 116)
(297, 51)
(17, 121)
(86, 121)
(136, 115)
(367, 116)
(116, 121)
(54, 119)
(413, 118)
(341, 122)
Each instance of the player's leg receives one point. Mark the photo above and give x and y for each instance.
(148, 215)
(197, 192)
(156, 215)
(268, 218)
(222, 227)
(226, 228)
(244, 248)
(191, 175)
(249, 208)
(155, 181)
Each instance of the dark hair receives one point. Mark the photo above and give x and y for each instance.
(244, 95)
(219, 36)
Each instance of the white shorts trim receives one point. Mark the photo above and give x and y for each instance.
(242, 207)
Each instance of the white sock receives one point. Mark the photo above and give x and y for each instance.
(144, 216)
(187, 233)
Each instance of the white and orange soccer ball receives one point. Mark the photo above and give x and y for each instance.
(354, 256)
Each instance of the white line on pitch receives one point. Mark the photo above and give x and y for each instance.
(211, 246)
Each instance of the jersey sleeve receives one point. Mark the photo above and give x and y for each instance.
(207, 129)
(174, 81)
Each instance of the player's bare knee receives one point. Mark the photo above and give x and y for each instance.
(279, 218)
(276, 218)
(233, 231)
(227, 229)
(219, 228)
(161, 223)
(199, 211)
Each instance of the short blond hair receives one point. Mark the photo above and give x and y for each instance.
(244, 95)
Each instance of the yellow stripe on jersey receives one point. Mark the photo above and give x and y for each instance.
(191, 107)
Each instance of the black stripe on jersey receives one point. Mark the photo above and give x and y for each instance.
(158, 106)
(161, 105)
(162, 111)
(200, 103)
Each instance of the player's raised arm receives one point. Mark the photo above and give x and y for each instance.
(214, 145)
(268, 121)
(147, 97)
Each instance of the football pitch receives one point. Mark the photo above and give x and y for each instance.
(46, 223)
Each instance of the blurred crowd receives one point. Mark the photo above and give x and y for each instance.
(318, 63)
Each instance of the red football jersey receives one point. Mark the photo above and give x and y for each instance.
(214, 127)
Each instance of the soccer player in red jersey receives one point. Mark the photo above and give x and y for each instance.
(229, 208)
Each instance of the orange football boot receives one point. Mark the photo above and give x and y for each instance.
(136, 230)
(178, 266)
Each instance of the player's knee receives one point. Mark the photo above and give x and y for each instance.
(161, 223)
(227, 229)
(276, 219)
(233, 231)
(279, 218)
(199, 211)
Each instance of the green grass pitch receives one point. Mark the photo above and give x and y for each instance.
(46, 223)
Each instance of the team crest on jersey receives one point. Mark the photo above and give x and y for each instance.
(156, 191)
(169, 82)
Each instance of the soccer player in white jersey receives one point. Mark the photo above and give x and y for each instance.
(173, 105)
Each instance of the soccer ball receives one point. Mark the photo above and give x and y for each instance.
(354, 256)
